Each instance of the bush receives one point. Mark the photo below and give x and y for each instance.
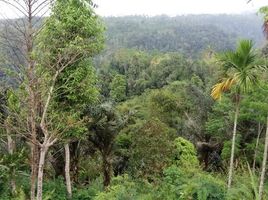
(185, 154)
(245, 186)
(190, 183)
(151, 150)
(89, 192)
(55, 190)
(123, 188)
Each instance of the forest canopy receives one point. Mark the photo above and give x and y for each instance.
(133, 107)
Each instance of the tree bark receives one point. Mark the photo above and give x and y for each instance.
(34, 169)
(74, 157)
(106, 167)
(43, 151)
(230, 176)
(32, 100)
(10, 147)
(67, 170)
(256, 148)
(27, 34)
(264, 162)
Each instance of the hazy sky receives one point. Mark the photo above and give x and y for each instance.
(175, 7)
(169, 7)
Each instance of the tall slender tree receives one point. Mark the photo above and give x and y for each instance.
(81, 90)
(239, 74)
(19, 37)
(48, 48)
(72, 33)
(264, 11)
(264, 162)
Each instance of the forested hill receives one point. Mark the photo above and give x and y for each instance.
(189, 34)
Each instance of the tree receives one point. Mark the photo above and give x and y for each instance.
(76, 88)
(6, 102)
(259, 105)
(20, 37)
(63, 43)
(264, 11)
(240, 74)
(103, 126)
(151, 148)
(264, 162)
(118, 88)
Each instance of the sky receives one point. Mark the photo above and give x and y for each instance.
(175, 7)
(159, 7)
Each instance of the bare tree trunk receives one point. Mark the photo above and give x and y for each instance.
(43, 151)
(230, 176)
(26, 34)
(264, 162)
(74, 157)
(34, 169)
(32, 97)
(10, 147)
(256, 148)
(106, 167)
(67, 170)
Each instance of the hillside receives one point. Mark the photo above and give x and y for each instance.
(189, 34)
(134, 107)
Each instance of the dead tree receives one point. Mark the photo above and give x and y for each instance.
(19, 36)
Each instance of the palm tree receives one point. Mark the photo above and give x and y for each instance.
(240, 75)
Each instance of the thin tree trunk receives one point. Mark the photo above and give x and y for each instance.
(10, 147)
(10, 144)
(256, 148)
(106, 167)
(67, 170)
(230, 176)
(34, 169)
(74, 156)
(264, 162)
(32, 100)
(43, 151)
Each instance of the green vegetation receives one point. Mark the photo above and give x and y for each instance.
(188, 35)
(137, 119)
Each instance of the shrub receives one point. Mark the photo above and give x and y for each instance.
(185, 153)
(190, 183)
(89, 192)
(123, 188)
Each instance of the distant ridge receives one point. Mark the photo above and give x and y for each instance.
(188, 34)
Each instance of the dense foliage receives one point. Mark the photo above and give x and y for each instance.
(138, 121)
(189, 34)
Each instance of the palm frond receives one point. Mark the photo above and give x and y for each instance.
(262, 68)
(239, 59)
(244, 47)
(243, 57)
(240, 67)
(247, 80)
(222, 87)
(227, 60)
(245, 52)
